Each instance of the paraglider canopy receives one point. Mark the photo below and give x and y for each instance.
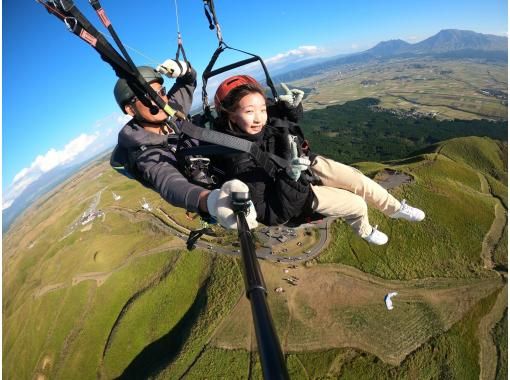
(387, 300)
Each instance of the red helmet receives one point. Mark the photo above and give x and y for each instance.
(228, 85)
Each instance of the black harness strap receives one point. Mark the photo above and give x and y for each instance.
(78, 24)
(180, 49)
(108, 25)
(211, 25)
(271, 163)
(213, 20)
(209, 72)
(207, 150)
(148, 93)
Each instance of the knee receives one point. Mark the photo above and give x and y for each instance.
(358, 207)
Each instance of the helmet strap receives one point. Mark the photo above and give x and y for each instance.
(139, 118)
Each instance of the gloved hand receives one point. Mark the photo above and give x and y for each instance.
(219, 205)
(296, 164)
(291, 98)
(171, 68)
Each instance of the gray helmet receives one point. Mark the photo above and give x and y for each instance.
(123, 93)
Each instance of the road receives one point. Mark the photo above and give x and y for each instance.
(264, 252)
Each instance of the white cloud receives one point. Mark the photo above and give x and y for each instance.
(300, 52)
(275, 63)
(7, 204)
(77, 150)
(413, 39)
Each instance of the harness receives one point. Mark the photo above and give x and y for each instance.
(193, 158)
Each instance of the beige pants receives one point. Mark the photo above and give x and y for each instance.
(345, 192)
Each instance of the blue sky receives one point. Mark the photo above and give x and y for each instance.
(57, 103)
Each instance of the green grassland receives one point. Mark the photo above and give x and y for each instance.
(161, 314)
(426, 86)
(73, 296)
(443, 181)
(120, 296)
(453, 354)
(500, 336)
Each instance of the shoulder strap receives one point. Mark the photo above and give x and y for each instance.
(270, 162)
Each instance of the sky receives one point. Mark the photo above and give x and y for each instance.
(57, 94)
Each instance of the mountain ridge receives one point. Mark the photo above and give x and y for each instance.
(446, 40)
(447, 43)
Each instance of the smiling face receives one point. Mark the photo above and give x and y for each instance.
(250, 115)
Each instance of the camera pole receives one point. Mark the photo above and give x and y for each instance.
(270, 352)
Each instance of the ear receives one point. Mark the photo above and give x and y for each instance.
(128, 108)
(231, 117)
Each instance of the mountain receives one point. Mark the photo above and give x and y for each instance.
(445, 41)
(448, 43)
(452, 40)
(389, 48)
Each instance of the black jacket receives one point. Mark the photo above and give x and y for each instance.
(277, 199)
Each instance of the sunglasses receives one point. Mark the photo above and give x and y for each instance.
(161, 92)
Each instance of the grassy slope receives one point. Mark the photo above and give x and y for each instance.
(154, 312)
(450, 355)
(68, 328)
(500, 336)
(65, 330)
(443, 186)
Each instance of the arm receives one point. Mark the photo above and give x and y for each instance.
(157, 168)
(181, 92)
(281, 110)
(288, 106)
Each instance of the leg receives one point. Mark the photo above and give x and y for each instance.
(330, 201)
(335, 174)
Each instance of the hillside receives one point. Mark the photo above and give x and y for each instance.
(96, 287)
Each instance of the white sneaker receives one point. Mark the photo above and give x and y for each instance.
(408, 213)
(376, 237)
